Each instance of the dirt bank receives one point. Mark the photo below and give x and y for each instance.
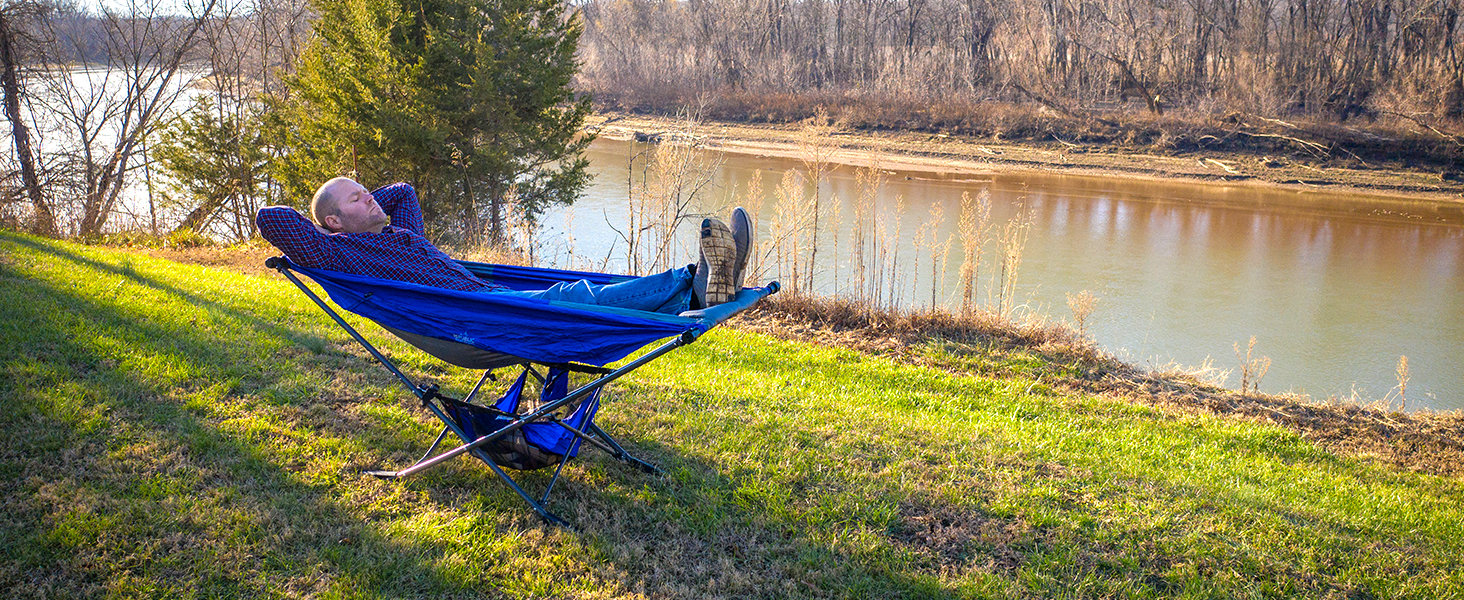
(915, 151)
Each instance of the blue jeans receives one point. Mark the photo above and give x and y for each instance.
(668, 292)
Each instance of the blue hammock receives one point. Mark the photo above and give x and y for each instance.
(488, 331)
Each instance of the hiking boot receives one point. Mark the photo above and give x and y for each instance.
(719, 254)
(742, 234)
(699, 283)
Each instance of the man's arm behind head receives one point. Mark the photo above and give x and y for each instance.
(300, 239)
(399, 200)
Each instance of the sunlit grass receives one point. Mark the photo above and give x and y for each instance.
(172, 431)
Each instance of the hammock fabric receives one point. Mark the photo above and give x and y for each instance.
(487, 331)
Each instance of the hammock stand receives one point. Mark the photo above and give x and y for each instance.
(491, 331)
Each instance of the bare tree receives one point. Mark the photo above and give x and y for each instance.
(13, 45)
(1337, 58)
(108, 110)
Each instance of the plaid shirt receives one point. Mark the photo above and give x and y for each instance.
(398, 252)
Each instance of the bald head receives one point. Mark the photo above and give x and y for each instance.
(326, 201)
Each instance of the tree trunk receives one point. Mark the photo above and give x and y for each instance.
(45, 219)
(199, 217)
(495, 216)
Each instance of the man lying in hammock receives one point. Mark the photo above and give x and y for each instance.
(378, 234)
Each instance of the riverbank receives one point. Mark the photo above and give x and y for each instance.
(1299, 169)
(178, 430)
(1052, 355)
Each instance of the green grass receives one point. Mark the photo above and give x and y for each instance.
(175, 431)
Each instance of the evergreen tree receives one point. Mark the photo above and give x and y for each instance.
(216, 162)
(469, 100)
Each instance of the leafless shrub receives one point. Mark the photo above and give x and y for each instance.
(668, 181)
(1082, 305)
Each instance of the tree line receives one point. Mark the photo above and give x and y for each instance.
(223, 106)
(1338, 59)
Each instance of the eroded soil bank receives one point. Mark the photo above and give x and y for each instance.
(1275, 156)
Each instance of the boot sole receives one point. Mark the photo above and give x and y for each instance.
(720, 251)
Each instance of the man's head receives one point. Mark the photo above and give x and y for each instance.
(344, 206)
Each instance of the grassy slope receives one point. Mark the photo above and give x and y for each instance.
(171, 430)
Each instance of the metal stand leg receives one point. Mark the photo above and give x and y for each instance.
(433, 447)
(537, 506)
(620, 452)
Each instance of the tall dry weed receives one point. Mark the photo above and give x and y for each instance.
(1014, 243)
(974, 222)
(1082, 305)
(518, 246)
(896, 277)
(1252, 368)
(816, 153)
(570, 260)
(937, 251)
(674, 175)
(869, 181)
(787, 227)
(752, 202)
(1403, 374)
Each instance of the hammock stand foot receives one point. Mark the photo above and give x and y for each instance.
(619, 452)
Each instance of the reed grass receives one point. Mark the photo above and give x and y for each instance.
(975, 222)
(1252, 368)
(1402, 372)
(869, 181)
(816, 155)
(752, 202)
(790, 222)
(897, 278)
(1014, 243)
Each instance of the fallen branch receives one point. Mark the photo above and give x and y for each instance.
(1318, 149)
(1065, 142)
(1452, 139)
(1276, 121)
(1058, 107)
(1222, 165)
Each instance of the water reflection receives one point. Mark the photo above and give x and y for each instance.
(1335, 288)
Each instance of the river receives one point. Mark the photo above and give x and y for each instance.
(1335, 288)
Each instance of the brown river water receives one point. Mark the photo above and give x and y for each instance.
(1335, 288)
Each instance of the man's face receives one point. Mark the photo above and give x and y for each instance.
(356, 209)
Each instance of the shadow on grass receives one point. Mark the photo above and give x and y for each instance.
(128, 468)
(136, 487)
(193, 298)
(129, 471)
